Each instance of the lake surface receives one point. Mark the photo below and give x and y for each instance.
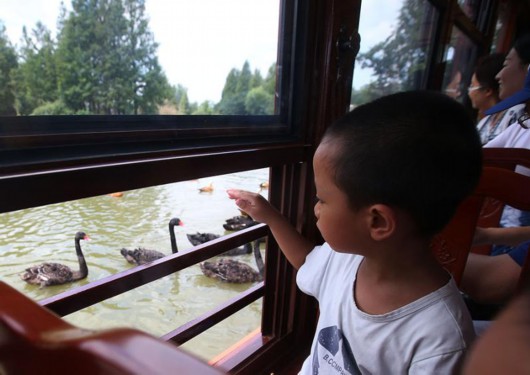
(138, 218)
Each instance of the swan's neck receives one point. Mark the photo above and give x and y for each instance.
(83, 268)
(174, 247)
(259, 259)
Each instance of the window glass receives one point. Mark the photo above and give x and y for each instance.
(396, 41)
(128, 57)
(460, 56)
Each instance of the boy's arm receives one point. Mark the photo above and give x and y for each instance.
(294, 246)
(512, 236)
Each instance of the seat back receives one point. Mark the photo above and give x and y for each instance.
(33, 340)
(507, 158)
(452, 245)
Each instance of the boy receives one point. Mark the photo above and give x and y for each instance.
(388, 176)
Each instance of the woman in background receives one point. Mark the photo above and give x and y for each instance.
(484, 94)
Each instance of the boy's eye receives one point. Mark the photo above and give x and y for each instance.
(318, 200)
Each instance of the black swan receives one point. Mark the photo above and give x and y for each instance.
(200, 238)
(47, 274)
(142, 255)
(233, 271)
(239, 222)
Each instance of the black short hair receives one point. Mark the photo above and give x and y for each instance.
(486, 70)
(418, 151)
(522, 47)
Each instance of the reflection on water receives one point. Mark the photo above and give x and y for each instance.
(138, 218)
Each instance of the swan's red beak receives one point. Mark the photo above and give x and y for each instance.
(181, 223)
(86, 238)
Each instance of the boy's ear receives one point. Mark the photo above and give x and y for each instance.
(382, 221)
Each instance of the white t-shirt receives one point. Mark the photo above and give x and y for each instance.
(427, 336)
(488, 131)
(514, 136)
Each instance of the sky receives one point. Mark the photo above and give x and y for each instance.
(200, 41)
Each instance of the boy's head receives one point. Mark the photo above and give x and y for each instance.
(415, 151)
(512, 75)
(486, 70)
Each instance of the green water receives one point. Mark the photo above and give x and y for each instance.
(138, 218)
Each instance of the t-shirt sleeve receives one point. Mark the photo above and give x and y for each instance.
(450, 363)
(310, 275)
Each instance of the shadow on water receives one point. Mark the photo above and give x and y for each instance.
(137, 219)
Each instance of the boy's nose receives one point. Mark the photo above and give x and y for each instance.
(317, 210)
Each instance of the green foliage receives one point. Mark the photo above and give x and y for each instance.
(53, 108)
(36, 78)
(364, 95)
(232, 101)
(259, 102)
(8, 64)
(270, 81)
(184, 105)
(205, 108)
(178, 92)
(247, 93)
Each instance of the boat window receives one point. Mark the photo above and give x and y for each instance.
(396, 47)
(135, 57)
(129, 226)
(115, 78)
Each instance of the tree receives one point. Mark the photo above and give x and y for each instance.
(107, 59)
(8, 64)
(228, 104)
(205, 108)
(36, 77)
(269, 84)
(236, 88)
(399, 61)
(150, 84)
(259, 102)
(178, 92)
(256, 80)
(184, 104)
(247, 93)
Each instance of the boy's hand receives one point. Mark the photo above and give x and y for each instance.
(253, 204)
(293, 244)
